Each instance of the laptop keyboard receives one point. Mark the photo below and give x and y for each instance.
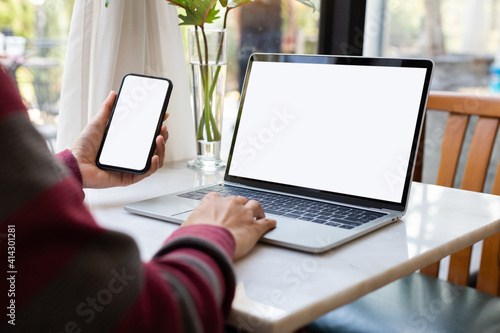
(295, 208)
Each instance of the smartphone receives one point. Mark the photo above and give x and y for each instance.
(128, 143)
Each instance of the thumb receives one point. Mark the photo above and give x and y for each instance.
(265, 225)
(105, 110)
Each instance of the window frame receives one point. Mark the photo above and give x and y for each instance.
(341, 27)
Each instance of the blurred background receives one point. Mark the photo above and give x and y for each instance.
(33, 36)
(461, 36)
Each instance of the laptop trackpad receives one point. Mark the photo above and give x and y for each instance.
(183, 216)
(169, 207)
(291, 233)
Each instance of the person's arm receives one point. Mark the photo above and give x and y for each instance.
(67, 158)
(71, 274)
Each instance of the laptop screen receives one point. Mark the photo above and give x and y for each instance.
(339, 128)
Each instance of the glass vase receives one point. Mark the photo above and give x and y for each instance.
(207, 66)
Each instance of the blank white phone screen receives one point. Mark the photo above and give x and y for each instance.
(135, 118)
(339, 128)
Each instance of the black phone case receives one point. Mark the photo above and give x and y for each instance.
(157, 132)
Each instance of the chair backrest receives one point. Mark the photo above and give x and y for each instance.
(460, 108)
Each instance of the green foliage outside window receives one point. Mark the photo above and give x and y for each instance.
(18, 16)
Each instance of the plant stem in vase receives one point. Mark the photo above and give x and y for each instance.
(208, 64)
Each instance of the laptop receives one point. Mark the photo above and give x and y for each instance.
(326, 144)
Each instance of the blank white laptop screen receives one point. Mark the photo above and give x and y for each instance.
(354, 124)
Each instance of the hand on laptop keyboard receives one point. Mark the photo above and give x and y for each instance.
(329, 214)
(244, 218)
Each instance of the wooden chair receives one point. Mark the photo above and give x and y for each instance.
(391, 308)
(461, 108)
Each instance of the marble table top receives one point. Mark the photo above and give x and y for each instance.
(281, 290)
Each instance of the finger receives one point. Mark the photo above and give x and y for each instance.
(239, 199)
(164, 132)
(155, 165)
(160, 150)
(152, 169)
(166, 116)
(256, 208)
(106, 107)
(110, 100)
(211, 195)
(265, 224)
(101, 118)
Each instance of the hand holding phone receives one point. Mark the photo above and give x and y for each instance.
(128, 143)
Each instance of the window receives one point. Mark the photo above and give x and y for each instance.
(32, 47)
(462, 37)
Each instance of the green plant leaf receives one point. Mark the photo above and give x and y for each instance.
(223, 3)
(237, 3)
(107, 3)
(179, 3)
(308, 3)
(199, 12)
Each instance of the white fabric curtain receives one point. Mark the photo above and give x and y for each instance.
(130, 36)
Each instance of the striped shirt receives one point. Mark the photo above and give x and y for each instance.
(64, 273)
